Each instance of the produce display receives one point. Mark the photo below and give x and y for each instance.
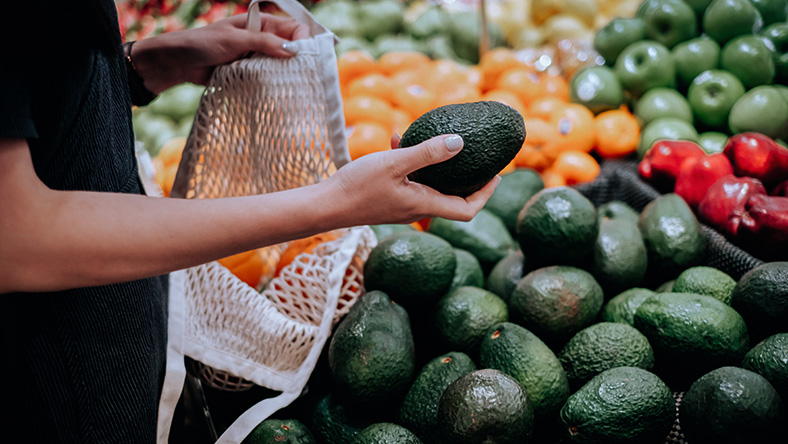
(553, 316)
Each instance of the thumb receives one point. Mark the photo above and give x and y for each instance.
(429, 152)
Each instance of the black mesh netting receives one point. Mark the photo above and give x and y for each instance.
(619, 180)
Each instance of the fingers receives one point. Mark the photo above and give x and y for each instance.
(285, 27)
(457, 208)
(429, 152)
(275, 34)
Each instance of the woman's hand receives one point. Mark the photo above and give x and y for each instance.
(375, 189)
(191, 55)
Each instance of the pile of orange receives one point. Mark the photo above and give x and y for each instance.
(383, 96)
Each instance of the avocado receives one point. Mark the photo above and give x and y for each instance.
(371, 353)
(673, 236)
(602, 346)
(517, 352)
(485, 236)
(761, 296)
(620, 405)
(616, 210)
(290, 431)
(769, 358)
(463, 316)
(505, 274)
(623, 306)
(731, 405)
(512, 193)
(705, 280)
(335, 423)
(485, 406)
(492, 132)
(383, 230)
(691, 334)
(386, 432)
(558, 226)
(468, 272)
(419, 410)
(620, 257)
(556, 302)
(414, 268)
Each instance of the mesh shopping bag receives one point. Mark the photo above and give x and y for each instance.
(263, 125)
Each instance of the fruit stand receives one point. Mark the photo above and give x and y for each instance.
(631, 264)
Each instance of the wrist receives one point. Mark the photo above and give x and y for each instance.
(140, 94)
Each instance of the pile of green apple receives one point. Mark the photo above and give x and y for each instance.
(168, 116)
(381, 26)
(699, 70)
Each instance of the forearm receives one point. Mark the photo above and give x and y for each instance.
(85, 238)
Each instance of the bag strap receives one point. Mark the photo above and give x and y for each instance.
(292, 8)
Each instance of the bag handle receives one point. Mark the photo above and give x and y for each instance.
(293, 8)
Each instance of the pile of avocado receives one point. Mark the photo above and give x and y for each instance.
(581, 323)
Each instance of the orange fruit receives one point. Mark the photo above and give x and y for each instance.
(507, 98)
(414, 99)
(372, 84)
(456, 93)
(366, 137)
(617, 133)
(298, 246)
(352, 64)
(358, 108)
(575, 126)
(544, 107)
(554, 86)
(552, 179)
(247, 266)
(539, 150)
(401, 121)
(576, 166)
(394, 61)
(171, 151)
(496, 61)
(446, 70)
(523, 81)
(165, 178)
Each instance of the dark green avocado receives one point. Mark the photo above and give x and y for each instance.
(493, 134)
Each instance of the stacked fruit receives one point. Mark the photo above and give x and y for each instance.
(695, 70)
(384, 95)
(577, 327)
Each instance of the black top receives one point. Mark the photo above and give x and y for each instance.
(83, 365)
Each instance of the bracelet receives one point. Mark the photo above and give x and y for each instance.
(140, 95)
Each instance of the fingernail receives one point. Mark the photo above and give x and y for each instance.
(453, 143)
(289, 47)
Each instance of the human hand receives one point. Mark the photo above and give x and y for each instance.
(191, 55)
(375, 188)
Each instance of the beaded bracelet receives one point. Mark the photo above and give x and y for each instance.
(140, 95)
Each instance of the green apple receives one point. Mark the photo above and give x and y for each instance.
(668, 21)
(772, 11)
(616, 35)
(665, 128)
(726, 19)
(699, 6)
(644, 65)
(694, 56)
(380, 17)
(762, 109)
(712, 95)
(712, 142)
(777, 34)
(662, 102)
(749, 58)
(596, 87)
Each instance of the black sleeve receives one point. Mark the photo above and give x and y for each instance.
(15, 119)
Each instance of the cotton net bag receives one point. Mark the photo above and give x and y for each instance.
(263, 125)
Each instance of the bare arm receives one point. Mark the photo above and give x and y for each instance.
(53, 240)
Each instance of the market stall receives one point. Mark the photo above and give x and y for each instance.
(631, 264)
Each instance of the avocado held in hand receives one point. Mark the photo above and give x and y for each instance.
(492, 133)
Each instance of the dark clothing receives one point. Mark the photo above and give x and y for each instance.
(87, 364)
